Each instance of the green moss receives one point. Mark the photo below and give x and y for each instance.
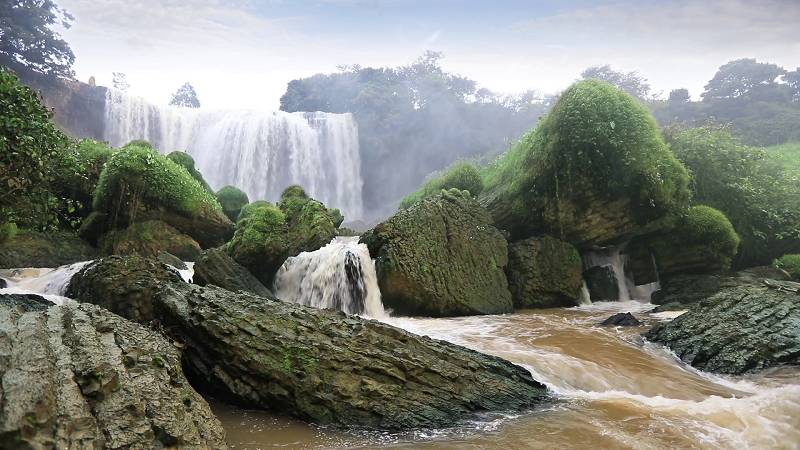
(248, 209)
(139, 143)
(704, 224)
(138, 176)
(293, 191)
(7, 231)
(789, 263)
(262, 232)
(186, 161)
(336, 216)
(463, 176)
(232, 201)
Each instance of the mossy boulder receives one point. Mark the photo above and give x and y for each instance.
(186, 161)
(38, 249)
(441, 257)
(790, 264)
(138, 184)
(687, 289)
(149, 239)
(336, 216)
(595, 171)
(543, 272)
(266, 234)
(703, 241)
(232, 200)
(463, 176)
(250, 207)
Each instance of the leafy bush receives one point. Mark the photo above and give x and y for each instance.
(7, 231)
(77, 170)
(789, 263)
(463, 176)
(186, 161)
(232, 200)
(706, 225)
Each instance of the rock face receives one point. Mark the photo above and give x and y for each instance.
(326, 367)
(688, 289)
(441, 257)
(602, 283)
(741, 328)
(78, 376)
(35, 249)
(543, 272)
(149, 239)
(215, 266)
(621, 320)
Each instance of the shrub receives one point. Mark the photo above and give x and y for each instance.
(250, 207)
(709, 226)
(232, 201)
(186, 161)
(462, 176)
(789, 263)
(8, 231)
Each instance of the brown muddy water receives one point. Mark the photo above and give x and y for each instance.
(612, 390)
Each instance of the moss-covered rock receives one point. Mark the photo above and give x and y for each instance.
(266, 235)
(250, 207)
(595, 171)
(186, 161)
(232, 200)
(137, 184)
(149, 239)
(789, 263)
(703, 241)
(336, 216)
(37, 249)
(543, 272)
(441, 257)
(462, 176)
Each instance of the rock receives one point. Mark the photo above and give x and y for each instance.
(3, 283)
(673, 306)
(124, 285)
(172, 260)
(741, 328)
(688, 289)
(640, 263)
(543, 272)
(26, 302)
(150, 239)
(215, 266)
(602, 283)
(326, 367)
(78, 376)
(441, 257)
(232, 200)
(266, 235)
(51, 249)
(621, 320)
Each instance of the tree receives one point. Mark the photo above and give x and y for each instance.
(679, 96)
(741, 78)
(792, 79)
(631, 82)
(28, 41)
(119, 81)
(185, 97)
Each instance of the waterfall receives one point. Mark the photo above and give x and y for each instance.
(260, 152)
(613, 260)
(49, 283)
(339, 276)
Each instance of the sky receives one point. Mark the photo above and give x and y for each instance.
(242, 53)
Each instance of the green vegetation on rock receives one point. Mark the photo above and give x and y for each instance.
(789, 263)
(462, 176)
(8, 231)
(37, 249)
(186, 161)
(149, 239)
(232, 200)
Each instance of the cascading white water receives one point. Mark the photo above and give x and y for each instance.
(48, 283)
(614, 258)
(339, 276)
(260, 152)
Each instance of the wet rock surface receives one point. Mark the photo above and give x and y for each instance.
(215, 266)
(78, 376)
(621, 320)
(35, 249)
(602, 283)
(543, 272)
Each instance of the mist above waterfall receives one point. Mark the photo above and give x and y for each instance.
(260, 152)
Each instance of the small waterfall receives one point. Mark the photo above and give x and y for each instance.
(584, 298)
(261, 152)
(339, 276)
(613, 259)
(49, 283)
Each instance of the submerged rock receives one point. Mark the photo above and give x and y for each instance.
(741, 328)
(441, 257)
(543, 272)
(215, 266)
(621, 320)
(51, 249)
(149, 239)
(78, 376)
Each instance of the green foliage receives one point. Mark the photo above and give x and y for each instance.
(761, 198)
(262, 231)
(137, 176)
(336, 216)
(185, 97)
(232, 200)
(141, 143)
(632, 82)
(250, 207)
(186, 161)
(788, 156)
(706, 225)
(76, 173)
(293, 191)
(8, 231)
(789, 263)
(462, 176)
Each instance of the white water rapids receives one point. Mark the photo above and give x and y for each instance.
(260, 152)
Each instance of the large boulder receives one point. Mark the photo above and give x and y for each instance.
(441, 257)
(318, 365)
(149, 239)
(78, 376)
(601, 281)
(215, 266)
(687, 289)
(138, 184)
(51, 249)
(266, 235)
(543, 272)
(739, 329)
(232, 200)
(594, 172)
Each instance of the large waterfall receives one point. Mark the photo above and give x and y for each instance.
(339, 276)
(260, 152)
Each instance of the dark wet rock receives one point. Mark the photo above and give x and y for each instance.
(688, 289)
(3, 283)
(172, 260)
(621, 320)
(543, 272)
(741, 328)
(149, 239)
(78, 376)
(27, 302)
(673, 306)
(441, 257)
(602, 283)
(640, 263)
(51, 249)
(215, 266)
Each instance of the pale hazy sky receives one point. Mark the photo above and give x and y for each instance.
(241, 53)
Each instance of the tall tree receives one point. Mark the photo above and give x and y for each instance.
(743, 77)
(679, 96)
(185, 97)
(792, 79)
(120, 81)
(631, 82)
(28, 41)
